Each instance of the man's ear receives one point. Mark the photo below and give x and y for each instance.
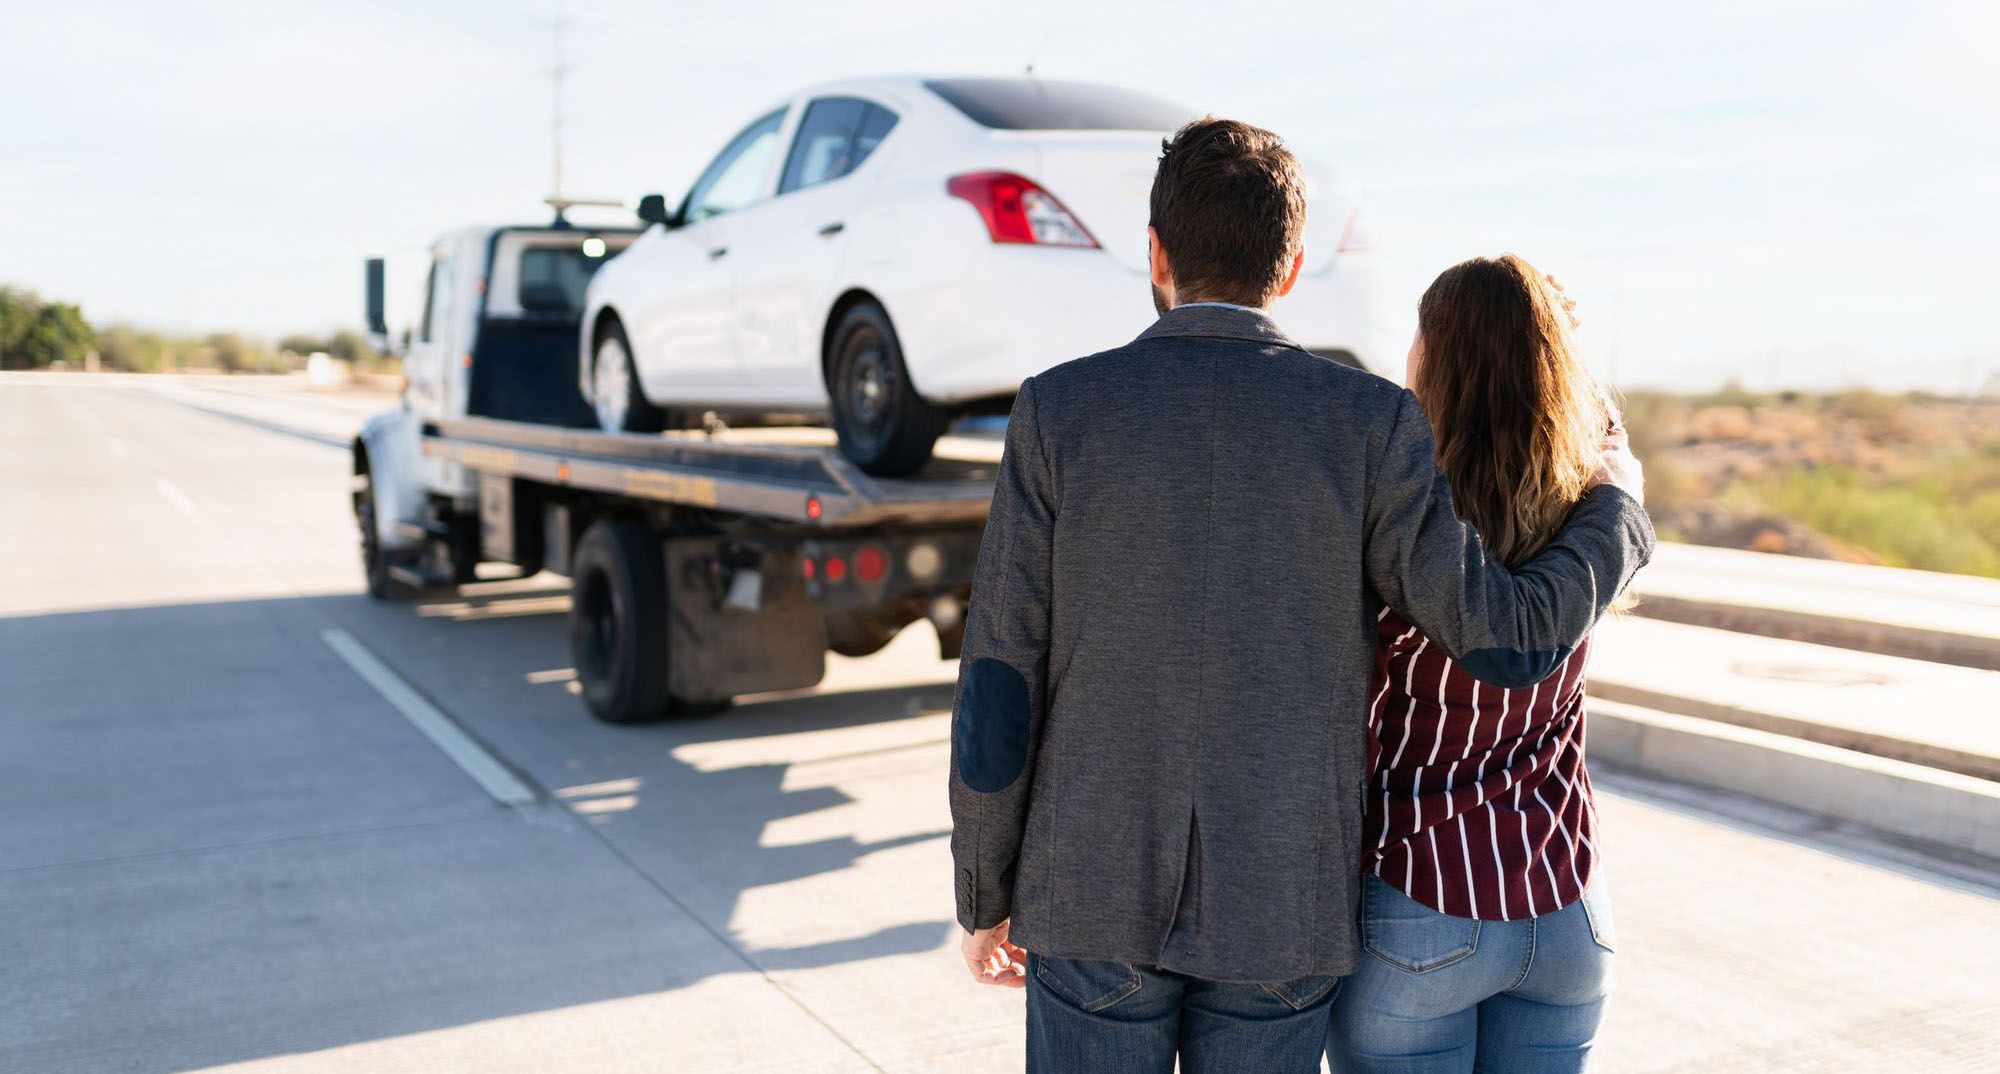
(1292, 277)
(1163, 273)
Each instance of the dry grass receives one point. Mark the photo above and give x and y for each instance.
(1910, 481)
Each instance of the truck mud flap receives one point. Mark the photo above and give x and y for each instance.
(739, 620)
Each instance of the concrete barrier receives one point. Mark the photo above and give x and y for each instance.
(1940, 809)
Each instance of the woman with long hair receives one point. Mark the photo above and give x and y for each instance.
(1486, 926)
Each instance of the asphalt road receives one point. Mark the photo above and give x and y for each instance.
(222, 847)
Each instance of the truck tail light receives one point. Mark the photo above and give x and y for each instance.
(869, 563)
(1017, 211)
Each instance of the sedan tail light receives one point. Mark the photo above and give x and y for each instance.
(1018, 211)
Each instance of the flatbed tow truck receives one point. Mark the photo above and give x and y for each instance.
(704, 564)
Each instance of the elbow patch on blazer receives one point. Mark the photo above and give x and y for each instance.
(1512, 668)
(990, 729)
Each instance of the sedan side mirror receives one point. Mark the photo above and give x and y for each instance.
(653, 210)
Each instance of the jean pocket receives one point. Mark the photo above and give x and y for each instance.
(1088, 986)
(1304, 992)
(1596, 903)
(1410, 936)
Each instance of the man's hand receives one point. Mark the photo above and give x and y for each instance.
(1618, 466)
(993, 960)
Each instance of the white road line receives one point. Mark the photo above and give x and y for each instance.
(485, 769)
(117, 446)
(175, 496)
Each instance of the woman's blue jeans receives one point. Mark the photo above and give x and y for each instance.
(1437, 994)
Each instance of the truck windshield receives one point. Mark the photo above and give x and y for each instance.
(1034, 104)
(553, 278)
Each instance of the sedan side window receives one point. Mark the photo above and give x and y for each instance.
(734, 179)
(835, 136)
(874, 127)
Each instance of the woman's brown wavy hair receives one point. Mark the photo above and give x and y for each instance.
(1517, 418)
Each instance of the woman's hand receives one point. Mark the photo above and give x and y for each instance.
(1568, 304)
(1617, 465)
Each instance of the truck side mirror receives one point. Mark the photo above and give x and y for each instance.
(653, 210)
(378, 314)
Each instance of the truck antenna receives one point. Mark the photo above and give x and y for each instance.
(558, 200)
(556, 116)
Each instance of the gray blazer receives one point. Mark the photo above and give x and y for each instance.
(1158, 743)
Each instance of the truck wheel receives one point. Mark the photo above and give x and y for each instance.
(375, 560)
(883, 424)
(618, 622)
(615, 394)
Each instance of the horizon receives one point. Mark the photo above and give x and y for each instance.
(1791, 197)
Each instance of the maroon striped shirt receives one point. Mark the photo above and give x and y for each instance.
(1479, 804)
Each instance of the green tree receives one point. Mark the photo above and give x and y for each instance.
(349, 345)
(131, 350)
(232, 353)
(57, 334)
(18, 312)
(303, 343)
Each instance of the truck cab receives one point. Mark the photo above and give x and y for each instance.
(492, 333)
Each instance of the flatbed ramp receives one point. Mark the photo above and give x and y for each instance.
(786, 475)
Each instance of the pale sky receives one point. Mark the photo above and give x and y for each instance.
(1791, 193)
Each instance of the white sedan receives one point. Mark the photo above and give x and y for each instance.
(890, 253)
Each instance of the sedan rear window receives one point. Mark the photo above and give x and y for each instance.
(1034, 104)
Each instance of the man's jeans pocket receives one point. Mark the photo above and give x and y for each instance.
(1303, 992)
(1087, 986)
(1410, 936)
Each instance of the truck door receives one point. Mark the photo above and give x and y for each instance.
(423, 364)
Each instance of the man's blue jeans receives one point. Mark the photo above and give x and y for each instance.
(1438, 994)
(1109, 1018)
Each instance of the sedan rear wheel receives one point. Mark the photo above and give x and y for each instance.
(883, 424)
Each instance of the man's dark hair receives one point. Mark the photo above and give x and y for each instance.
(1229, 206)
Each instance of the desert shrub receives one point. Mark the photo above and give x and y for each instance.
(1919, 524)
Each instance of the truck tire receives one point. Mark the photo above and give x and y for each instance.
(621, 405)
(375, 560)
(883, 424)
(618, 622)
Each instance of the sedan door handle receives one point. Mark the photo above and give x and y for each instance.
(830, 230)
(717, 252)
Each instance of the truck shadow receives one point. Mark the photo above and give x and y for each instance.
(225, 845)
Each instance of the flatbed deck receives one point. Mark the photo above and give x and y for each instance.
(794, 475)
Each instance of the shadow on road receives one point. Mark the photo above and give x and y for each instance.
(223, 845)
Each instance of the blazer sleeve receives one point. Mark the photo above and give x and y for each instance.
(1511, 628)
(1002, 697)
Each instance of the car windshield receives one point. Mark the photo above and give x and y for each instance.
(1033, 104)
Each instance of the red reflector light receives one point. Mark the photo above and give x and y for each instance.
(1017, 211)
(836, 569)
(807, 568)
(813, 508)
(869, 564)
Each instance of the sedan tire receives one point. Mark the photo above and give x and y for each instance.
(621, 405)
(883, 424)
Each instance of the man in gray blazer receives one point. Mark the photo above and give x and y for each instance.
(1158, 744)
